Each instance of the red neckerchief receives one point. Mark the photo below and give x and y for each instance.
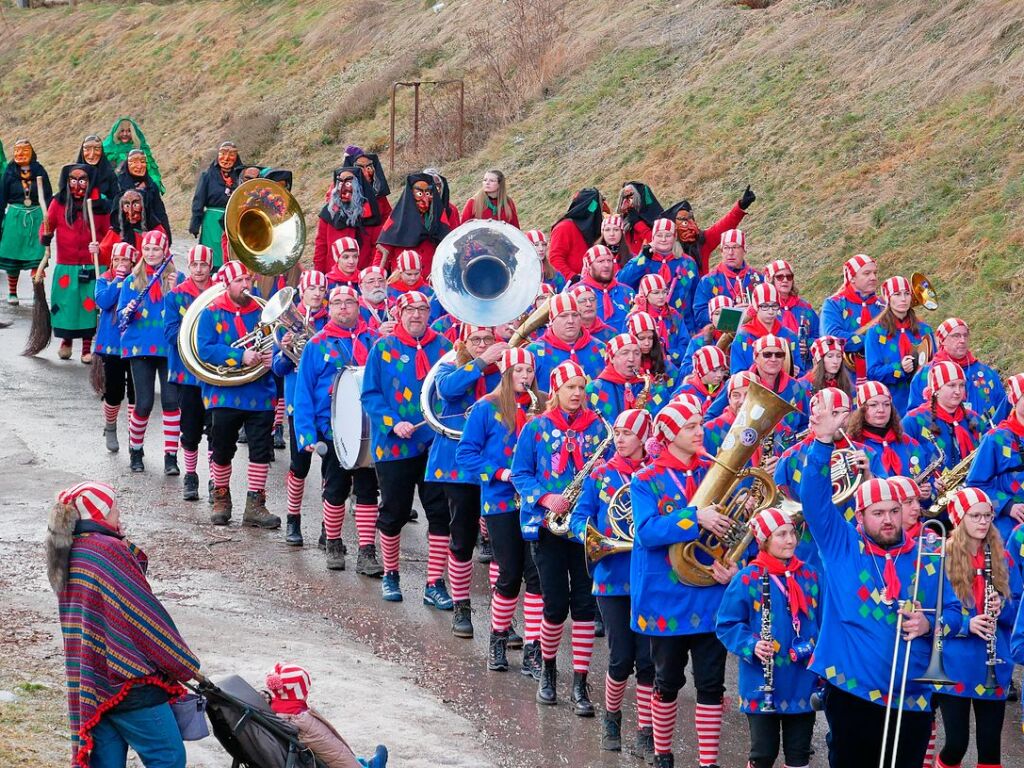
(404, 287)
(225, 304)
(795, 596)
(667, 460)
(612, 376)
(524, 402)
(850, 294)
(422, 361)
(551, 340)
(733, 279)
(715, 333)
(890, 459)
(662, 260)
(571, 447)
(903, 342)
(156, 292)
(913, 531)
(659, 314)
(694, 381)
(604, 290)
(481, 383)
(956, 421)
(335, 331)
(189, 286)
(943, 356)
(283, 707)
(756, 328)
(337, 276)
(978, 584)
(376, 309)
(598, 326)
(889, 575)
(623, 464)
(1013, 425)
(782, 383)
(787, 317)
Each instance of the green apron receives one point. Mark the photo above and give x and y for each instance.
(72, 302)
(20, 248)
(210, 234)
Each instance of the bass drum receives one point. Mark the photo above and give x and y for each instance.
(349, 422)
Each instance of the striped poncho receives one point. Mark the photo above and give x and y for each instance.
(117, 635)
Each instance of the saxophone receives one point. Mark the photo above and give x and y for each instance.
(559, 524)
(951, 479)
(938, 461)
(645, 394)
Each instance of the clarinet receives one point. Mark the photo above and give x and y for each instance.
(128, 313)
(768, 667)
(990, 647)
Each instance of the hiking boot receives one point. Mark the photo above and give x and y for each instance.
(335, 555)
(643, 746)
(531, 661)
(171, 465)
(279, 444)
(367, 563)
(221, 514)
(547, 690)
(462, 620)
(484, 551)
(581, 695)
(242, 437)
(611, 739)
(497, 659)
(135, 459)
(293, 531)
(664, 761)
(110, 435)
(190, 487)
(515, 640)
(436, 594)
(390, 587)
(256, 514)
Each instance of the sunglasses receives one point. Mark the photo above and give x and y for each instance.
(771, 355)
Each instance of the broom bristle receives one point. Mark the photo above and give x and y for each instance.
(41, 332)
(97, 375)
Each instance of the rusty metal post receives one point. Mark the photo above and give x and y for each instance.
(391, 142)
(416, 118)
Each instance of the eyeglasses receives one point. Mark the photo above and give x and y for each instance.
(768, 307)
(421, 310)
(476, 341)
(775, 355)
(732, 247)
(980, 517)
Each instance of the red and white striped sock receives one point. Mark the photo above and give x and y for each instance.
(492, 573)
(278, 412)
(437, 556)
(460, 575)
(550, 639)
(929, 755)
(220, 474)
(366, 523)
(582, 645)
(334, 518)
(663, 718)
(137, 431)
(131, 412)
(502, 611)
(12, 284)
(87, 345)
(643, 705)
(614, 690)
(110, 412)
(533, 612)
(483, 526)
(708, 718)
(172, 430)
(389, 551)
(294, 488)
(191, 459)
(258, 476)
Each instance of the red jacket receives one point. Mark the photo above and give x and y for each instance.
(73, 242)
(326, 234)
(113, 237)
(469, 213)
(639, 236)
(566, 248)
(713, 235)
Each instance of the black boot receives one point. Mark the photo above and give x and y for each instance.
(190, 487)
(462, 621)
(515, 641)
(547, 690)
(643, 746)
(367, 563)
(598, 627)
(497, 659)
(335, 555)
(611, 739)
(209, 492)
(110, 436)
(293, 531)
(242, 437)
(665, 761)
(321, 543)
(581, 695)
(135, 460)
(171, 465)
(531, 661)
(279, 438)
(484, 551)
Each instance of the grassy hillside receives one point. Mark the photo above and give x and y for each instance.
(884, 126)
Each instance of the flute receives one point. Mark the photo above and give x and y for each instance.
(128, 313)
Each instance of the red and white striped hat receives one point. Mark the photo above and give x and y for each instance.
(893, 285)
(822, 345)
(514, 356)
(831, 398)
(765, 293)
(674, 416)
(653, 282)
(343, 292)
(154, 237)
(774, 267)
(641, 321)
(408, 260)
(612, 220)
(1015, 388)
(905, 487)
(768, 521)
(467, 330)
(128, 250)
(740, 380)
(617, 342)
(719, 302)
(942, 373)
(708, 358)
(197, 254)
(636, 421)
(769, 341)
(663, 225)
(343, 244)
(546, 289)
(563, 373)
(875, 491)
(734, 237)
(947, 326)
(232, 270)
(312, 278)
(869, 390)
(410, 298)
(537, 237)
(963, 500)
(579, 289)
(92, 499)
(562, 302)
(594, 253)
(855, 264)
(288, 682)
(374, 269)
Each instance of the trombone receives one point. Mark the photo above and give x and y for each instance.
(935, 674)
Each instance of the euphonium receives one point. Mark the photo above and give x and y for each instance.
(559, 524)
(620, 521)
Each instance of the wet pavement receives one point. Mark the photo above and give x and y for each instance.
(49, 405)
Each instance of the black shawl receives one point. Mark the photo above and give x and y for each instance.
(407, 228)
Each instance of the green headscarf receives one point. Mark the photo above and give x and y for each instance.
(3, 157)
(117, 151)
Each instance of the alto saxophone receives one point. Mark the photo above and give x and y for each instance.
(645, 394)
(559, 524)
(951, 480)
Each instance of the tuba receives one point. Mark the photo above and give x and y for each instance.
(723, 485)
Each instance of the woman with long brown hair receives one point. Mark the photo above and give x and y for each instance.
(548, 273)
(892, 346)
(829, 368)
(877, 423)
(491, 201)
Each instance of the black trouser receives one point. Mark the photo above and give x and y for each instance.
(564, 581)
(301, 460)
(627, 650)
(513, 556)
(855, 732)
(464, 518)
(259, 428)
(340, 482)
(193, 415)
(956, 723)
(146, 371)
(117, 379)
(797, 732)
(399, 480)
(670, 655)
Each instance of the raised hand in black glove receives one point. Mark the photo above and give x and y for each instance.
(747, 198)
(646, 250)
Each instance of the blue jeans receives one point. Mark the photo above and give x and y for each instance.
(152, 732)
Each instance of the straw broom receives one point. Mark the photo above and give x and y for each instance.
(41, 331)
